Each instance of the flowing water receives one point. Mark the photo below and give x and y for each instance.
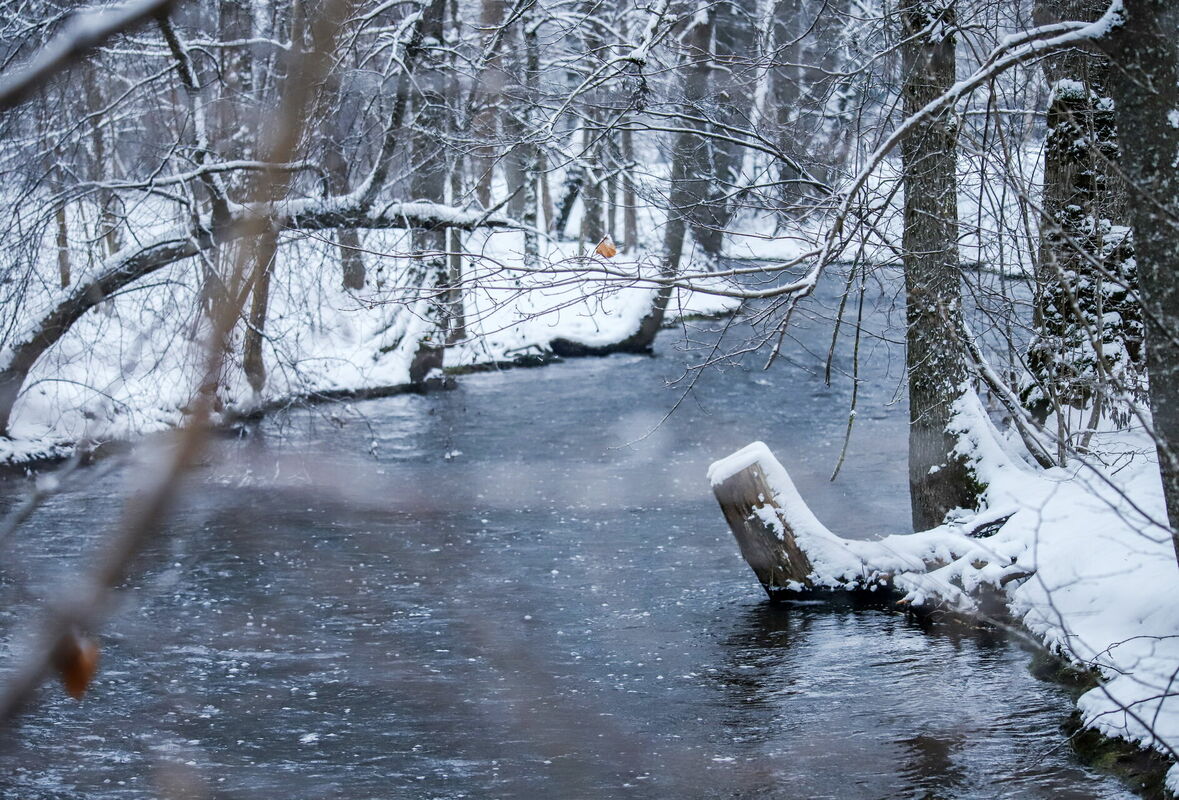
(523, 588)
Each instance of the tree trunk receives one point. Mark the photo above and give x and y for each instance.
(939, 480)
(763, 532)
(591, 191)
(790, 550)
(253, 361)
(101, 163)
(63, 246)
(630, 210)
(235, 22)
(570, 190)
(686, 190)
(1088, 320)
(531, 209)
(687, 187)
(486, 127)
(1146, 85)
(454, 237)
(432, 125)
(730, 102)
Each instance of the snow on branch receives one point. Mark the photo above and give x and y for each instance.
(81, 34)
(1011, 52)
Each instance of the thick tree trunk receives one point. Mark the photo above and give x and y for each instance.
(1146, 84)
(939, 480)
(1088, 320)
(790, 550)
(764, 534)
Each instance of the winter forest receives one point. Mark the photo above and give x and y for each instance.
(390, 391)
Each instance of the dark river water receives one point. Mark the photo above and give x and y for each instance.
(523, 588)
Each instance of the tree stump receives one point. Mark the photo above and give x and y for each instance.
(763, 533)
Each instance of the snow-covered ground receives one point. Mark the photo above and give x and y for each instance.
(1093, 537)
(129, 366)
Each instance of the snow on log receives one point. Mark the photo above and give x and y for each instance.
(766, 540)
(790, 550)
(779, 536)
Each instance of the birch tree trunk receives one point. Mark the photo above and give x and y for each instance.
(939, 480)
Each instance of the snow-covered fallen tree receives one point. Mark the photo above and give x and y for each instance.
(1081, 557)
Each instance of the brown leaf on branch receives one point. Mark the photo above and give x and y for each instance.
(606, 247)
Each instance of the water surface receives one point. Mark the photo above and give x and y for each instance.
(523, 589)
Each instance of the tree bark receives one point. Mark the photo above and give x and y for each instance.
(591, 190)
(486, 127)
(432, 125)
(253, 360)
(63, 245)
(1088, 320)
(939, 480)
(1146, 86)
(630, 209)
(531, 217)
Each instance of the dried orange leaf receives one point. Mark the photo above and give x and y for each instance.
(606, 248)
(76, 659)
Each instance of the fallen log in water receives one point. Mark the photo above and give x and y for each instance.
(790, 551)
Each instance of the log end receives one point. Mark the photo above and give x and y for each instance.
(764, 535)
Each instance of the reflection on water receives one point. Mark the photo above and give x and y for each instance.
(509, 591)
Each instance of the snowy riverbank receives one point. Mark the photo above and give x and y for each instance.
(1083, 558)
(128, 368)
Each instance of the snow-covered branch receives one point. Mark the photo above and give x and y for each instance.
(81, 34)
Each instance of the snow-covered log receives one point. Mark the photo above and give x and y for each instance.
(765, 535)
(791, 551)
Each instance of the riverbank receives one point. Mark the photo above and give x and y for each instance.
(1078, 556)
(127, 369)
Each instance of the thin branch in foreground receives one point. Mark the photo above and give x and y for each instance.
(81, 34)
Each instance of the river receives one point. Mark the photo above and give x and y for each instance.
(523, 588)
